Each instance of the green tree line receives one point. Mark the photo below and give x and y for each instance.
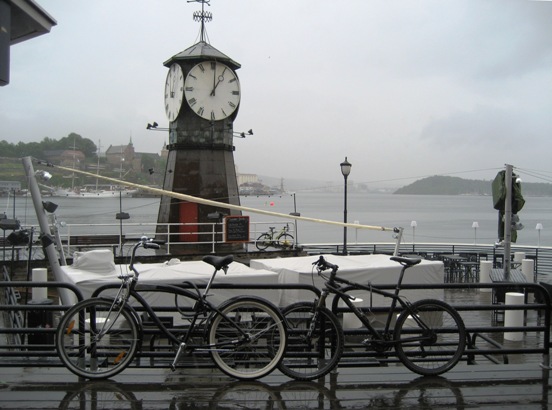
(446, 185)
(13, 171)
(36, 149)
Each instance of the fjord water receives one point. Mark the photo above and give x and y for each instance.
(439, 218)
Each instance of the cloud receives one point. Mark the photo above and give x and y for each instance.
(400, 87)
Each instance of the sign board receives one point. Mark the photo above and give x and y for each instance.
(236, 228)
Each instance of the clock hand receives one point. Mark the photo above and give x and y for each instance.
(173, 85)
(220, 78)
(214, 80)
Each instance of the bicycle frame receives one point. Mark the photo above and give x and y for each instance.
(283, 231)
(274, 235)
(333, 286)
(201, 306)
(110, 330)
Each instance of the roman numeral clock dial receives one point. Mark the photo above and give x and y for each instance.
(174, 91)
(212, 90)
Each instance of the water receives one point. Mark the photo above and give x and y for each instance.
(439, 219)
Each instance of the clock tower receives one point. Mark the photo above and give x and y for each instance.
(202, 97)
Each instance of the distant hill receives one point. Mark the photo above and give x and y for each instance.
(446, 185)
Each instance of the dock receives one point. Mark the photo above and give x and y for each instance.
(524, 386)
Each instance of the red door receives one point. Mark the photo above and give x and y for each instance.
(188, 215)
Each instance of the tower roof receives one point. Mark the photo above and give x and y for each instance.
(202, 51)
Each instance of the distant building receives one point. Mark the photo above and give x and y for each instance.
(247, 179)
(164, 152)
(6, 186)
(65, 157)
(123, 157)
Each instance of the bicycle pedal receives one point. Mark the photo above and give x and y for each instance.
(181, 349)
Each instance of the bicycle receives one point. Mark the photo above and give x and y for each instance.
(280, 239)
(429, 335)
(246, 336)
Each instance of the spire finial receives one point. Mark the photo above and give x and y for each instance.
(202, 16)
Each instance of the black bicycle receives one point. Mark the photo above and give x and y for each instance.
(246, 335)
(428, 336)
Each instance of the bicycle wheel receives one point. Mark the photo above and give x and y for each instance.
(285, 241)
(96, 342)
(263, 241)
(444, 337)
(263, 348)
(247, 395)
(309, 358)
(100, 395)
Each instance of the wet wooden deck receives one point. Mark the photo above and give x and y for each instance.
(524, 386)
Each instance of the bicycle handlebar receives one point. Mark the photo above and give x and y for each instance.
(146, 243)
(323, 264)
(149, 243)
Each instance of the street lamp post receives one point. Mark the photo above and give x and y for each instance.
(539, 228)
(345, 170)
(413, 225)
(475, 225)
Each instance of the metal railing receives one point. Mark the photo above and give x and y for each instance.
(541, 255)
(114, 237)
(35, 345)
(210, 233)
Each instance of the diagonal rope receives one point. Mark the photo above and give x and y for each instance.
(203, 201)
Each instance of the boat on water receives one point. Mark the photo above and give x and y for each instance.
(107, 193)
(93, 193)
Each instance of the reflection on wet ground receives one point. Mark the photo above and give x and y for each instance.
(478, 386)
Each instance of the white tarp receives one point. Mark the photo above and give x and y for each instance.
(376, 269)
(96, 268)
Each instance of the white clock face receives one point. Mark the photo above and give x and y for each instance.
(174, 91)
(212, 90)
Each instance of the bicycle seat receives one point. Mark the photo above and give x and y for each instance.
(406, 261)
(218, 262)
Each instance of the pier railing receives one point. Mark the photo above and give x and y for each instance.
(541, 255)
(29, 339)
(81, 237)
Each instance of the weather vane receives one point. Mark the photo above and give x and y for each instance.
(202, 16)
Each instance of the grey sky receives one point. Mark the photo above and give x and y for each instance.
(402, 88)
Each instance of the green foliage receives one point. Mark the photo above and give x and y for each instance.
(446, 185)
(36, 149)
(12, 170)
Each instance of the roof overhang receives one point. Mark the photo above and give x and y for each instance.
(202, 51)
(28, 20)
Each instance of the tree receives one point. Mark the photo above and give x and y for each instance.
(73, 140)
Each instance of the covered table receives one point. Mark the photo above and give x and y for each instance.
(376, 269)
(93, 269)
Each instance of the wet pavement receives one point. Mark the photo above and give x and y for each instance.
(524, 386)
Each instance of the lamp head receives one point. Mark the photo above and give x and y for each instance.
(44, 175)
(122, 215)
(49, 206)
(345, 167)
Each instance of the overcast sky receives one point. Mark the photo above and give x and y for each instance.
(404, 89)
